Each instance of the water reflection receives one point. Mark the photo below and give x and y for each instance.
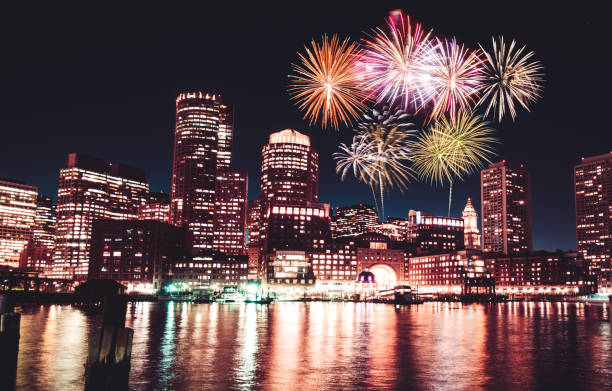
(331, 346)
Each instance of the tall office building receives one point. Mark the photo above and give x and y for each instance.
(354, 220)
(202, 143)
(157, 207)
(39, 252)
(471, 233)
(231, 197)
(17, 219)
(593, 197)
(289, 170)
(90, 189)
(505, 195)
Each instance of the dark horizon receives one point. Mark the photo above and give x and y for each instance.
(104, 84)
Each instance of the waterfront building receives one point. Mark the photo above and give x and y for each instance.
(471, 233)
(540, 273)
(506, 209)
(17, 219)
(231, 197)
(593, 202)
(207, 271)
(334, 264)
(295, 227)
(383, 257)
(452, 273)
(157, 207)
(90, 189)
(136, 253)
(434, 234)
(394, 228)
(354, 220)
(202, 144)
(39, 252)
(254, 219)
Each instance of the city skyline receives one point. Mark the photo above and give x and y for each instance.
(553, 217)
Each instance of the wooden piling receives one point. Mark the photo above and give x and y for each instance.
(9, 342)
(110, 349)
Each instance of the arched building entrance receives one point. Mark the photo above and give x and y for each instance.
(386, 277)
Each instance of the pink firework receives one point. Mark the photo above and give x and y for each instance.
(454, 78)
(391, 66)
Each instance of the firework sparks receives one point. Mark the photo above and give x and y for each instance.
(325, 83)
(391, 64)
(454, 78)
(452, 149)
(509, 76)
(379, 153)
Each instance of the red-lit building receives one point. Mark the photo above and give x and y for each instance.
(17, 219)
(90, 189)
(136, 253)
(453, 273)
(354, 220)
(231, 192)
(157, 207)
(202, 143)
(540, 273)
(38, 254)
(434, 234)
(207, 270)
(593, 201)
(289, 178)
(506, 209)
(394, 228)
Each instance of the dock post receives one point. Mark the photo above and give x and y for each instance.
(9, 342)
(110, 349)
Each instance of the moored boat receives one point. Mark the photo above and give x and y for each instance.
(230, 294)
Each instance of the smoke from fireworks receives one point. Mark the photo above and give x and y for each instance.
(325, 84)
(380, 152)
(391, 65)
(453, 148)
(509, 76)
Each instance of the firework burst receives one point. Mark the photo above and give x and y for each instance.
(454, 74)
(391, 63)
(509, 76)
(380, 152)
(325, 83)
(452, 149)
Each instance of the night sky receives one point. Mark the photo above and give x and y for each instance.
(103, 81)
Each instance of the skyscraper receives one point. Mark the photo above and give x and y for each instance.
(231, 193)
(506, 209)
(354, 220)
(89, 189)
(471, 233)
(289, 169)
(157, 207)
(202, 143)
(593, 197)
(17, 219)
(39, 252)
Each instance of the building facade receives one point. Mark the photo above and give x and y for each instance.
(506, 209)
(471, 234)
(17, 219)
(354, 220)
(593, 202)
(38, 254)
(231, 197)
(90, 189)
(157, 207)
(434, 234)
(136, 253)
(202, 143)
(541, 273)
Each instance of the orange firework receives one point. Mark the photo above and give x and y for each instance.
(324, 84)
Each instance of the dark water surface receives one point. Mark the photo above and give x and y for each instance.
(332, 346)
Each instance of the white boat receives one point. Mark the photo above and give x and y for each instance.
(230, 294)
